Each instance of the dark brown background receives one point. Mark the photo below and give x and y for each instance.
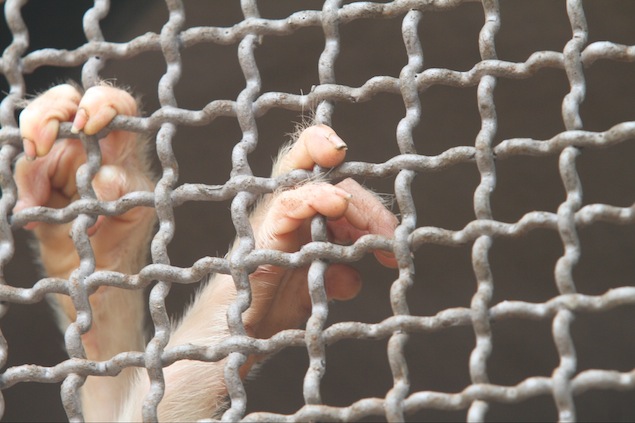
(522, 268)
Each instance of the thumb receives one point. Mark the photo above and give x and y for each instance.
(34, 186)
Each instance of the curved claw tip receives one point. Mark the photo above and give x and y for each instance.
(81, 117)
(30, 151)
(337, 142)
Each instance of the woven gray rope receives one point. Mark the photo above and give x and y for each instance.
(564, 384)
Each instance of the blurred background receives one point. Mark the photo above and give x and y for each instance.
(523, 268)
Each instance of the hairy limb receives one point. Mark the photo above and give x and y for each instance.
(194, 390)
(45, 176)
(280, 298)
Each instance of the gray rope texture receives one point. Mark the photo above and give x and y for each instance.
(243, 189)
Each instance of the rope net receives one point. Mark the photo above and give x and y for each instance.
(478, 240)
